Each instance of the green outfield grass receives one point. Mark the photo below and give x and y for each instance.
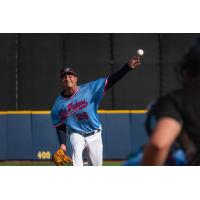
(48, 163)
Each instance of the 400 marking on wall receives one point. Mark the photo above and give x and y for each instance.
(43, 155)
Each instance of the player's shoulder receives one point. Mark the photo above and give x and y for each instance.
(94, 82)
(57, 102)
(170, 104)
(58, 99)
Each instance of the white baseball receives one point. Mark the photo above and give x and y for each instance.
(140, 52)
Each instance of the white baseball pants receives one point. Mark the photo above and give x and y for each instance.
(93, 147)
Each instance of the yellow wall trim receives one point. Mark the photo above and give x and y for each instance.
(121, 111)
(46, 112)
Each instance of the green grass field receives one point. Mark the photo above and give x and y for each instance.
(48, 163)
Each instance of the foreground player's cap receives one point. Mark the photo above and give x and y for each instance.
(67, 70)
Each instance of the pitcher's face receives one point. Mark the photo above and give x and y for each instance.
(69, 81)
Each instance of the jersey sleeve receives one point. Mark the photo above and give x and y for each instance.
(164, 107)
(168, 107)
(55, 117)
(98, 88)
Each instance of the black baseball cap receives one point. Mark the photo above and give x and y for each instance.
(67, 70)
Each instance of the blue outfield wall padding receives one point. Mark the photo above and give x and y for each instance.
(31, 136)
(19, 138)
(45, 139)
(138, 134)
(116, 135)
(44, 136)
(122, 134)
(3, 137)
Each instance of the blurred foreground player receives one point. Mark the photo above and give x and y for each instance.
(176, 157)
(178, 115)
(75, 111)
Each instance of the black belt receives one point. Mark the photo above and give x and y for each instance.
(90, 133)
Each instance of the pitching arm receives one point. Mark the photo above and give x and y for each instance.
(115, 77)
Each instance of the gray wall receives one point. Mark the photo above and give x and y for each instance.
(37, 58)
(7, 71)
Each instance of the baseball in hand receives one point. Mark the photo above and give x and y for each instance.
(140, 52)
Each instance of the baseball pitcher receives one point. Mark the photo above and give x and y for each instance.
(75, 112)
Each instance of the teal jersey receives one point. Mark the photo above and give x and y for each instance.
(79, 112)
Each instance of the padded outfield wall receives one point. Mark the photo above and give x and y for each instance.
(29, 135)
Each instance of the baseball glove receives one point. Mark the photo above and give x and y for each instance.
(60, 158)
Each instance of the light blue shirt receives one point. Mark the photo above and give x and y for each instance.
(79, 112)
